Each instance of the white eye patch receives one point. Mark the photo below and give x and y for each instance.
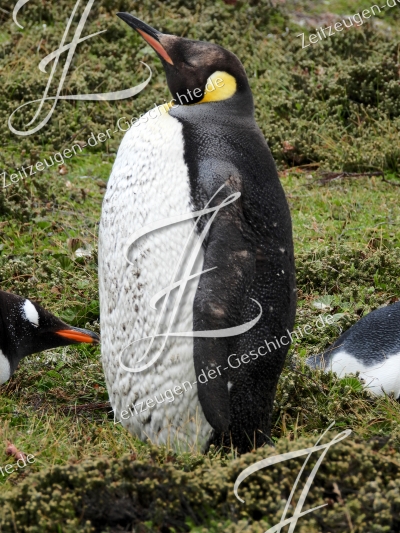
(30, 313)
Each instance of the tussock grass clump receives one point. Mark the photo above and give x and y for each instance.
(309, 400)
(360, 486)
(335, 104)
(339, 268)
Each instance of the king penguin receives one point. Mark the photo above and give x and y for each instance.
(27, 328)
(370, 347)
(196, 263)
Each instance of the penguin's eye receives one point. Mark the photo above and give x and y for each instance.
(30, 313)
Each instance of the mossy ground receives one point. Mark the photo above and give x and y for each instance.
(334, 106)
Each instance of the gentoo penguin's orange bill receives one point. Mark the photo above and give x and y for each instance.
(156, 45)
(76, 336)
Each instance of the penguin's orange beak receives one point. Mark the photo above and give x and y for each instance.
(149, 34)
(79, 335)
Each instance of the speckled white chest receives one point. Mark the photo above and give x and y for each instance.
(384, 375)
(149, 182)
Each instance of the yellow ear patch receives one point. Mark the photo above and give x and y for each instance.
(220, 86)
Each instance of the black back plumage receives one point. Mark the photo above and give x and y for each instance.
(251, 244)
(372, 340)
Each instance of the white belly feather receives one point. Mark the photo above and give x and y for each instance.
(5, 369)
(379, 377)
(149, 182)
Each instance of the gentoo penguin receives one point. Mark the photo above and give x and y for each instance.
(371, 347)
(27, 328)
(194, 195)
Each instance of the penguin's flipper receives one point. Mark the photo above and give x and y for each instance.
(230, 252)
(237, 375)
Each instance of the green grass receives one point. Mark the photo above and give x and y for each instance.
(332, 107)
(340, 7)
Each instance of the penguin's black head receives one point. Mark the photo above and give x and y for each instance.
(197, 72)
(27, 328)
